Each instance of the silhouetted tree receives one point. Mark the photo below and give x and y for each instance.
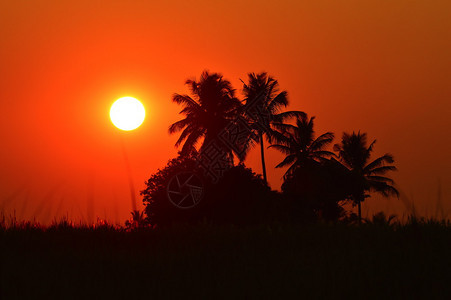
(299, 144)
(239, 197)
(269, 105)
(158, 208)
(317, 189)
(211, 106)
(366, 176)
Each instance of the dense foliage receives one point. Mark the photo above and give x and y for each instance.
(318, 189)
(315, 183)
(239, 197)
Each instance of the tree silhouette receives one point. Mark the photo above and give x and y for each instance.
(270, 105)
(299, 144)
(239, 197)
(366, 176)
(316, 190)
(211, 107)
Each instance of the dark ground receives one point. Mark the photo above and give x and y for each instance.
(228, 262)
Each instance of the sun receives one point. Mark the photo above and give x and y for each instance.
(127, 113)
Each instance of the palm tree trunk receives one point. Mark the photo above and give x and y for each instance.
(360, 199)
(360, 210)
(262, 150)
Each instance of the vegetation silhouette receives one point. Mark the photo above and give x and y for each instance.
(138, 220)
(248, 239)
(210, 108)
(317, 190)
(316, 184)
(269, 105)
(299, 144)
(366, 176)
(380, 258)
(239, 197)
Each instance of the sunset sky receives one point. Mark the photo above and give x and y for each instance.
(379, 66)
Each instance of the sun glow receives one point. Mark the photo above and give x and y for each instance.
(127, 113)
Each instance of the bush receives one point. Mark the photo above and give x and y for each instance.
(239, 197)
(316, 190)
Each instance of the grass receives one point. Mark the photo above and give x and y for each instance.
(376, 260)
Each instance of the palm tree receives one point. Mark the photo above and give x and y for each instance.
(211, 106)
(366, 176)
(262, 93)
(299, 144)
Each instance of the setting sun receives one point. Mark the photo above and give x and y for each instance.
(168, 149)
(127, 113)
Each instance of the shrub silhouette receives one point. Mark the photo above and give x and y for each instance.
(239, 197)
(316, 189)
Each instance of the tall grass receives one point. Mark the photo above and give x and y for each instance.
(382, 258)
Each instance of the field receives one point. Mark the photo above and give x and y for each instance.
(205, 261)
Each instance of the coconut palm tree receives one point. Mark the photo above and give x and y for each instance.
(211, 106)
(299, 144)
(262, 94)
(366, 176)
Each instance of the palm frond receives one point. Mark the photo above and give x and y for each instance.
(245, 149)
(380, 178)
(283, 127)
(282, 148)
(191, 141)
(322, 141)
(287, 161)
(179, 125)
(279, 101)
(381, 170)
(193, 86)
(290, 170)
(187, 131)
(371, 146)
(383, 188)
(192, 110)
(277, 137)
(184, 100)
(380, 161)
(283, 116)
(322, 153)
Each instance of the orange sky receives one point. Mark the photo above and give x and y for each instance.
(383, 67)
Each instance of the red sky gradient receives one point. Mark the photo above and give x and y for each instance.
(379, 66)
